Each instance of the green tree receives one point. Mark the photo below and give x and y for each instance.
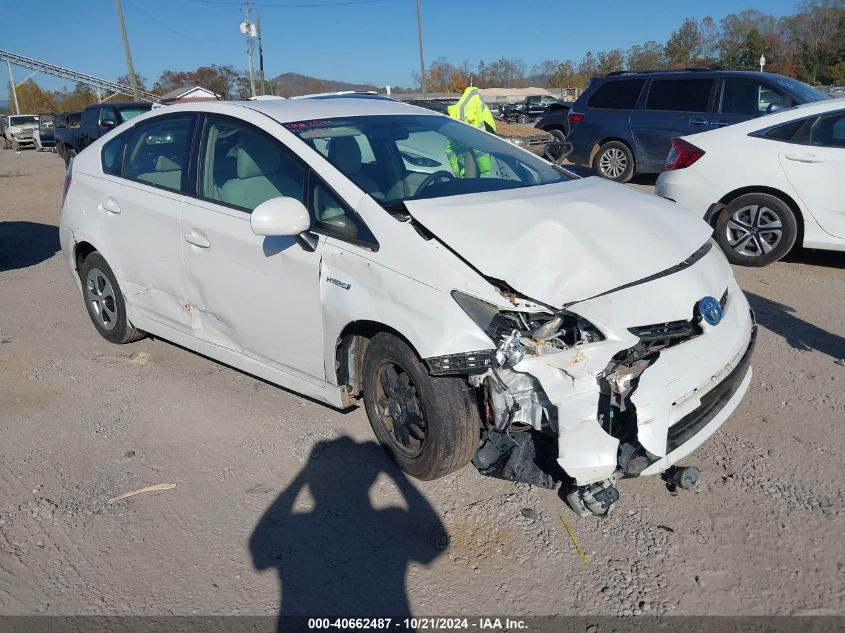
(683, 49)
(647, 56)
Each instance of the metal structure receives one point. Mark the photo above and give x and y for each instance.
(72, 75)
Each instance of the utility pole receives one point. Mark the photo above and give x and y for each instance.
(422, 60)
(248, 29)
(13, 89)
(260, 53)
(133, 80)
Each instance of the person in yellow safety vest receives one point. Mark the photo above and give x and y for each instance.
(471, 109)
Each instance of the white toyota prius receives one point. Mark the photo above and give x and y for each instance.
(485, 305)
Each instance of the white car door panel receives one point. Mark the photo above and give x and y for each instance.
(817, 172)
(140, 209)
(255, 295)
(143, 233)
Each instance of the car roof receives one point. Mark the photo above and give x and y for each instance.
(622, 74)
(289, 110)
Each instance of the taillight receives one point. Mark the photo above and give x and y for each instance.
(68, 179)
(682, 154)
(574, 117)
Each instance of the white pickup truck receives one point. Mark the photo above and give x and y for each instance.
(18, 130)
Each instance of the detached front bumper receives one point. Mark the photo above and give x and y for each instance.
(678, 400)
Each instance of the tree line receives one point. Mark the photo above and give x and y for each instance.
(808, 45)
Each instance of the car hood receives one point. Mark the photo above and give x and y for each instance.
(564, 242)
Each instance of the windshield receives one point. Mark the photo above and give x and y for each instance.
(397, 158)
(130, 113)
(805, 93)
(23, 120)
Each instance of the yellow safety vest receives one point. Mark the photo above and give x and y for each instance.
(471, 109)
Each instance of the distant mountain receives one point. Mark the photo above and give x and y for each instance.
(293, 84)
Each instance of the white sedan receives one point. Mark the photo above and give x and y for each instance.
(488, 310)
(767, 183)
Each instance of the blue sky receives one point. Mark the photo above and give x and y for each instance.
(374, 42)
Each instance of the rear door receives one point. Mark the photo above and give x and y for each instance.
(674, 106)
(815, 166)
(138, 213)
(739, 99)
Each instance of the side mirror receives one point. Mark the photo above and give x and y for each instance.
(108, 123)
(775, 107)
(280, 216)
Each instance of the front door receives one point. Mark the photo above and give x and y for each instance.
(740, 99)
(817, 171)
(674, 107)
(255, 295)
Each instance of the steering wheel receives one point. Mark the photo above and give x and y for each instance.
(441, 175)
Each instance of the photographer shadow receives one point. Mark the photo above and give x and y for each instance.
(341, 556)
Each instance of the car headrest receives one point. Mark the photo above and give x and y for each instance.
(163, 163)
(345, 154)
(256, 157)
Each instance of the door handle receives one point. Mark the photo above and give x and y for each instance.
(110, 205)
(805, 158)
(697, 120)
(197, 239)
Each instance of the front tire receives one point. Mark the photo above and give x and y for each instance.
(428, 425)
(104, 301)
(614, 161)
(69, 155)
(756, 229)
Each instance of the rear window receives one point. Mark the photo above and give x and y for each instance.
(617, 95)
(785, 132)
(112, 155)
(679, 95)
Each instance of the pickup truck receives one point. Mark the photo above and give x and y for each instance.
(17, 130)
(529, 109)
(96, 121)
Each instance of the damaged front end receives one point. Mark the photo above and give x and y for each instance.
(565, 400)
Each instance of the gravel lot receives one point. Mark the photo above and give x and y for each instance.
(82, 421)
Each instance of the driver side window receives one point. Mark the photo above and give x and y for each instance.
(243, 167)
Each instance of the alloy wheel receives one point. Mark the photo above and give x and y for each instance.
(400, 409)
(754, 230)
(101, 298)
(613, 163)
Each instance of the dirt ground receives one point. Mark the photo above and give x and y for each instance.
(273, 488)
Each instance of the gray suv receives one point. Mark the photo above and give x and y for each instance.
(624, 122)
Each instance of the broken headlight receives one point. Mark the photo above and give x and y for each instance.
(510, 329)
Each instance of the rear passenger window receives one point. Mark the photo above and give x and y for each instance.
(242, 167)
(617, 95)
(157, 152)
(785, 132)
(112, 156)
(679, 95)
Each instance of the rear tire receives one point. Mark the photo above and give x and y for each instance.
(756, 229)
(559, 137)
(614, 161)
(104, 301)
(430, 426)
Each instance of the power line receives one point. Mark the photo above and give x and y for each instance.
(289, 5)
(166, 26)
